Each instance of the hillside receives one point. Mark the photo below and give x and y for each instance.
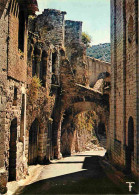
(101, 52)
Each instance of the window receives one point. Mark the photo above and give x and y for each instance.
(43, 68)
(15, 96)
(54, 78)
(130, 29)
(21, 31)
(22, 119)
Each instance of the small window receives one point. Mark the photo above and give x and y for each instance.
(15, 97)
(54, 77)
(21, 31)
(130, 29)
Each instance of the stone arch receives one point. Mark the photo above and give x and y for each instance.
(68, 130)
(103, 75)
(12, 150)
(130, 143)
(130, 29)
(33, 142)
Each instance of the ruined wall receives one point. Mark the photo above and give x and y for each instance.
(124, 82)
(40, 103)
(95, 68)
(3, 91)
(76, 50)
(45, 48)
(50, 25)
(13, 69)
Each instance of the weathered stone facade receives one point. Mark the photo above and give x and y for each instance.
(13, 74)
(43, 79)
(124, 110)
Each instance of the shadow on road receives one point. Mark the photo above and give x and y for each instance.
(93, 180)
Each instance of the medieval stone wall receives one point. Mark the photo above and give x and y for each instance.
(39, 85)
(50, 25)
(124, 83)
(76, 50)
(13, 71)
(95, 68)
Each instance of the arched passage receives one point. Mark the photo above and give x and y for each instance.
(79, 126)
(12, 150)
(130, 144)
(33, 143)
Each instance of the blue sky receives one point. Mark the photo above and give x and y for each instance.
(95, 15)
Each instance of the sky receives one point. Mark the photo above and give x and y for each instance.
(95, 15)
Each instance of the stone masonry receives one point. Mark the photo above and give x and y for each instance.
(13, 73)
(124, 110)
(46, 81)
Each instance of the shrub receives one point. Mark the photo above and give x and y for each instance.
(33, 90)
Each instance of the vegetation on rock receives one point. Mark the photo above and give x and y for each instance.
(33, 90)
(86, 39)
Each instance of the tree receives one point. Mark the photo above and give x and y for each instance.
(86, 39)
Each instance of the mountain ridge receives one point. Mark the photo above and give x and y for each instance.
(101, 51)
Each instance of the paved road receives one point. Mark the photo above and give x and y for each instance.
(79, 174)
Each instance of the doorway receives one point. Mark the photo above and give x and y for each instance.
(130, 146)
(12, 150)
(33, 143)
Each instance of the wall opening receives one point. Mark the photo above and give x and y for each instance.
(22, 119)
(21, 30)
(101, 129)
(33, 143)
(130, 144)
(12, 150)
(36, 62)
(15, 97)
(130, 29)
(54, 57)
(43, 68)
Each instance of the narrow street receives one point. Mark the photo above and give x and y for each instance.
(82, 173)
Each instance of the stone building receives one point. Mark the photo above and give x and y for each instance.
(124, 111)
(45, 48)
(13, 77)
(45, 78)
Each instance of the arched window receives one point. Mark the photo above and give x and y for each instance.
(43, 68)
(54, 57)
(54, 78)
(36, 62)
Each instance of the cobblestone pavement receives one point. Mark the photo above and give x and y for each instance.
(82, 173)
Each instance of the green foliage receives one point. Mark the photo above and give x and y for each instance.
(101, 52)
(86, 120)
(86, 39)
(33, 90)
